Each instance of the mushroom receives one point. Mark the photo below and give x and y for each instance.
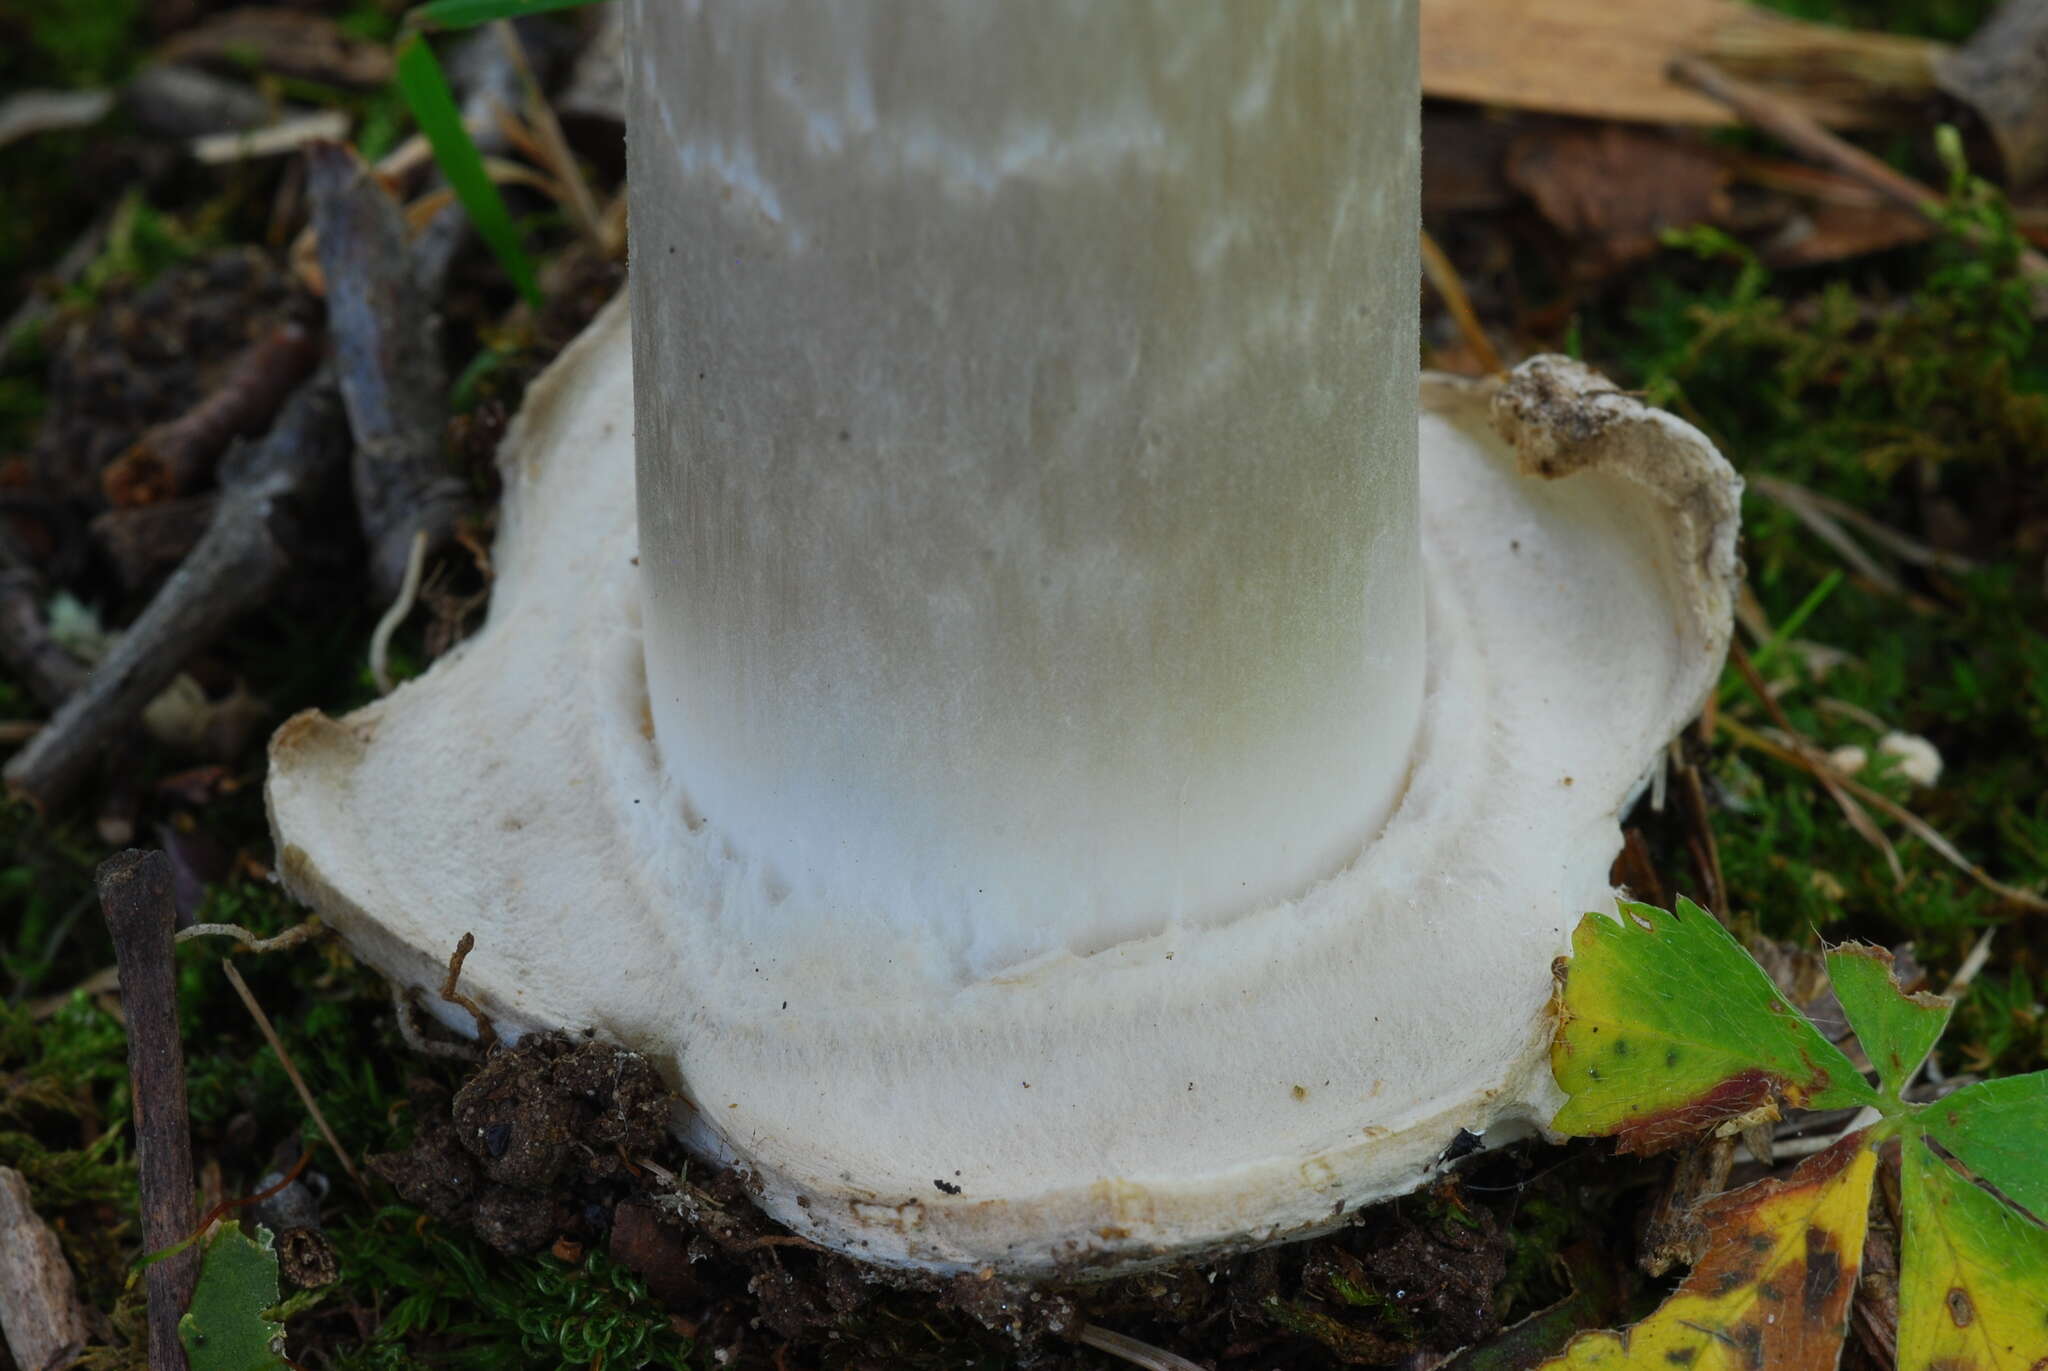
(1069, 763)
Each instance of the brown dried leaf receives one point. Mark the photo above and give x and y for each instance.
(1616, 188)
(1774, 1287)
(1605, 60)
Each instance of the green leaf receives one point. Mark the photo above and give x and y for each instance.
(1897, 1030)
(463, 14)
(1973, 1279)
(1667, 1027)
(227, 1329)
(425, 87)
(1999, 1129)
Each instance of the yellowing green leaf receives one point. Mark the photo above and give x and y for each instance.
(1973, 1284)
(1774, 1286)
(226, 1328)
(1897, 1030)
(1666, 1027)
(1999, 1129)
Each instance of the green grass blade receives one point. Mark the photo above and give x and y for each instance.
(463, 14)
(425, 87)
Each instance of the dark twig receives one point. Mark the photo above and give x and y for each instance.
(135, 897)
(388, 359)
(31, 655)
(178, 457)
(246, 551)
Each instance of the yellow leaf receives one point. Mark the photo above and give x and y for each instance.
(1973, 1294)
(1773, 1288)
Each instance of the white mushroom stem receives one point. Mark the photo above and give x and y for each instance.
(1027, 450)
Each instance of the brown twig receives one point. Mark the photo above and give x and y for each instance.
(31, 655)
(291, 1070)
(135, 897)
(178, 457)
(1823, 770)
(486, 1031)
(547, 131)
(1450, 288)
(246, 551)
(388, 359)
(146, 543)
(1799, 131)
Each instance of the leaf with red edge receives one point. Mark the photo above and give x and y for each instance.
(1667, 1027)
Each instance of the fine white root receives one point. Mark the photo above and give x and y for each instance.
(401, 608)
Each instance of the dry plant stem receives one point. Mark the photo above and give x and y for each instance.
(2026, 901)
(249, 942)
(547, 132)
(178, 457)
(1906, 549)
(291, 1069)
(486, 1031)
(1131, 1350)
(1831, 781)
(44, 1323)
(1450, 288)
(389, 364)
(135, 897)
(1801, 132)
(1700, 843)
(246, 551)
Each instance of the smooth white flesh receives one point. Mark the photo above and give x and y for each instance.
(1186, 1091)
(1027, 482)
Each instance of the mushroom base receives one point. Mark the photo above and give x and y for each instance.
(1195, 1089)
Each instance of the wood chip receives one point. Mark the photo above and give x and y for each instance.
(44, 1323)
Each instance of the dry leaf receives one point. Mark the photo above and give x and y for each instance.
(1773, 1290)
(1606, 60)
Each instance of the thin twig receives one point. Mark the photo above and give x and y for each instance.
(1824, 527)
(247, 550)
(291, 1069)
(401, 608)
(1823, 770)
(1131, 1350)
(1836, 785)
(250, 942)
(135, 897)
(1898, 544)
(388, 360)
(486, 1031)
(547, 132)
(1799, 131)
(177, 457)
(30, 654)
(1450, 287)
(1980, 954)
